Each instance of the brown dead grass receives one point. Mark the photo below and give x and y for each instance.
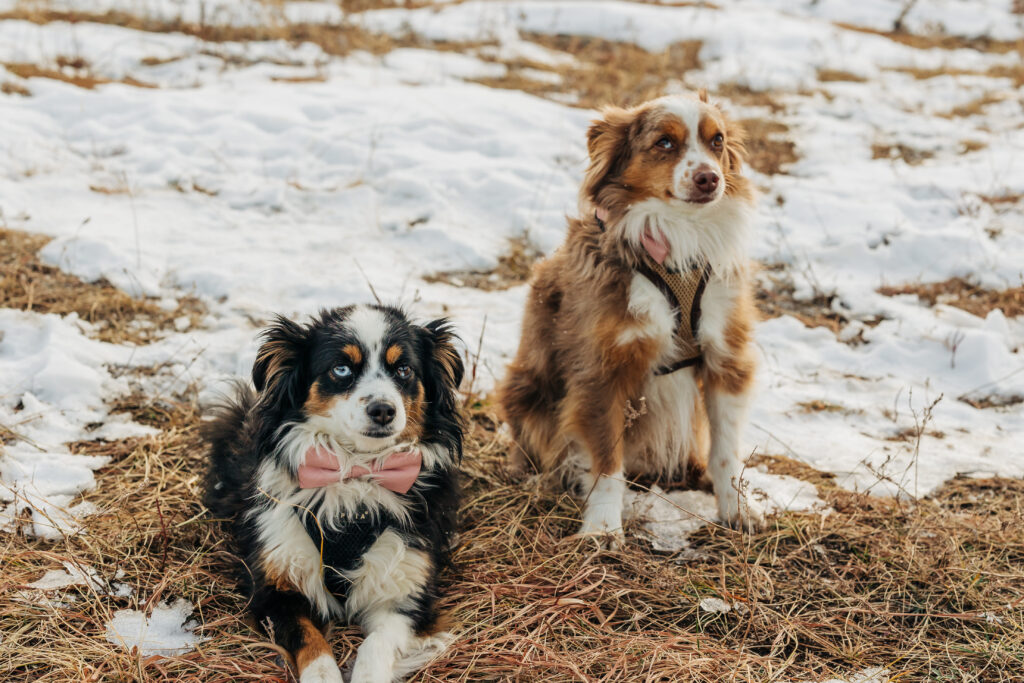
(605, 72)
(968, 146)
(984, 402)
(77, 77)
(513, 269)
(791, 467)
(975, 107)
(1003, 201)
(312, 78)
(964, 295)
(748, 97)
(12, 88)
(833, 75)
(821, 406)
(775, 297)
(1014, 72)
(909, 155)
(940, 41)
(929, 591)
(28, 284)
(769, 150)
(334, 39)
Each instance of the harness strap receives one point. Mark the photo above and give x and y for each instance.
(683, 290)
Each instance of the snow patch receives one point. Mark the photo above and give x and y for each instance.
(167, 631)
(668, 519)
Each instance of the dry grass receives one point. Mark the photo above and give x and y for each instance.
(513, 269)
(775, 297)
(974, 107)
(832, 75)
(28, 284)
(748, 97)
(12, 88)
(991, 401)
(940, 41)
(908, 154)
(338, 39)
(769, 151)
(604, 72)
(79, 77)
(1005, 201)
(821, 406)
(958, 292)
(929, 591)
(968, 146)
(1013, 72)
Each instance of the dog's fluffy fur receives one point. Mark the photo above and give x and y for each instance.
(352, 550)
(595, 329)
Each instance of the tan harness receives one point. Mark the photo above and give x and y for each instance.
(683, 289)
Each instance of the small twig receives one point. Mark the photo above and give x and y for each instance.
(368, 283)
(476, 361)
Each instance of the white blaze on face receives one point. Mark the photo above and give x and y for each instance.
(348, 419)
(696, 157)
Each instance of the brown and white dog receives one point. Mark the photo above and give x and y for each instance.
(596, 379)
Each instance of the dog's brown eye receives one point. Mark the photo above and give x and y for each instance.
(403, 372)
(716, 142)
(665, 142)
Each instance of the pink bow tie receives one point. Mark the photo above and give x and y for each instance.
(657, 247)
(397, 473)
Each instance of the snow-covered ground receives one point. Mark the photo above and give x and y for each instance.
(264, 195)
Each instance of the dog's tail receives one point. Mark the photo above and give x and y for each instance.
(230, 434)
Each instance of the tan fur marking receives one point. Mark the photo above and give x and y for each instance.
(638, 353)
(733, 372)
(317, 403)
(651, 169)
(413, 414)
(276, 578)
(393, 354)
(353, 353)
(736, 185)
(313, 646)
(707, 130)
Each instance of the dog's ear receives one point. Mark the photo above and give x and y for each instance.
(446, 368)
(277, 371)
(442, 374)
(608, 147)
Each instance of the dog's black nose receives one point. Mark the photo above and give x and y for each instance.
(706, 181)
(381, 412)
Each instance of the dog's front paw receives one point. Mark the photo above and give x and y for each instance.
(741, 512)
(603, 524)
(323, 669)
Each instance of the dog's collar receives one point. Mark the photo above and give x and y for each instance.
(683, 289)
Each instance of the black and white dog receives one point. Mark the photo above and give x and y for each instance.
(337, 475)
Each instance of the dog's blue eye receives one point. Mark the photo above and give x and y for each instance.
(403, 372)
(341, 371)
(665, 143)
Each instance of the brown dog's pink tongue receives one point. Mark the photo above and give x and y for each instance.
(657, 247)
